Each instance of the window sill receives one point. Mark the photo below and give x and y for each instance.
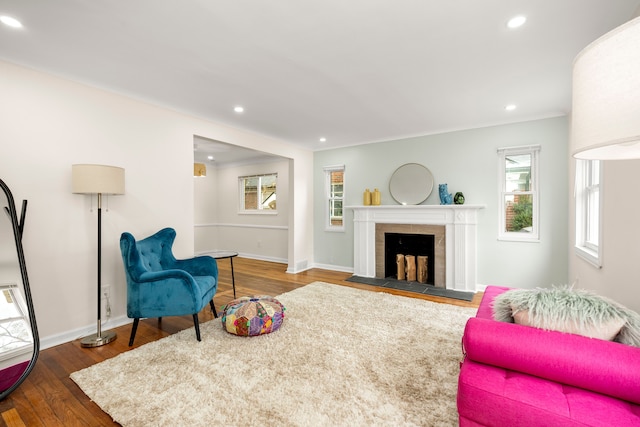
(592, 257)
(519, 237)
(258, 212)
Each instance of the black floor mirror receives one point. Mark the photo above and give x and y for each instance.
(19, 344)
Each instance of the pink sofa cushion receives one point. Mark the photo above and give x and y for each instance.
(493, 396)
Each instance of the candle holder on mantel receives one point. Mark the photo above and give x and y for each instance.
(375, 197)
(366, 198)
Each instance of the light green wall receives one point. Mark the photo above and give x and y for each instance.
(467, 161)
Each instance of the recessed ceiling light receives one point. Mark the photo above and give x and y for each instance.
(323, 139)
(11, 22)
(517, 21)
(238, 109)
(210, 157)
(510, 107)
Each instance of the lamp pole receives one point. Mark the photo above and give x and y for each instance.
(98, 338)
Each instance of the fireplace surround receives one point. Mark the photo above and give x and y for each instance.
(454, 228)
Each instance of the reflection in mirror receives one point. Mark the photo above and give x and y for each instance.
(411, 184)
(18, 333)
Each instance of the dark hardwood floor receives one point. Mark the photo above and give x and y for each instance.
(49, 397)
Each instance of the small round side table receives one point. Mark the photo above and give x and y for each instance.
(222, 255)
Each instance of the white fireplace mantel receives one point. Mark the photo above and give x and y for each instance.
(460, 223)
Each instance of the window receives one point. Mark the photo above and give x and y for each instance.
(334, 189)
(589, 210)
(258, 193)
(15, 331)
(519, 199)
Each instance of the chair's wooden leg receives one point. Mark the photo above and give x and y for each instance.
(134, 328)
(213, 309)
(196, 324)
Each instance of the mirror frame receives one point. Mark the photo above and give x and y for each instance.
(415, 181)
(18, 226)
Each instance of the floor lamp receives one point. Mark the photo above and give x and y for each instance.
(98, 179)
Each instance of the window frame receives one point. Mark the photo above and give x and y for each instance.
(585, 188)
(330, 197)
(241, 195)
(534, 191)
(22, 317)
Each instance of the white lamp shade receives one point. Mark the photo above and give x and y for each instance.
(606, 96)
(94, 179)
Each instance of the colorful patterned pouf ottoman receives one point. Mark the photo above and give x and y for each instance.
(252, 315)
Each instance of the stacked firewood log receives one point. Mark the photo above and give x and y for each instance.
(412, 268)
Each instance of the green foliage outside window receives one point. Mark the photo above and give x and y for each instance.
(523, 214)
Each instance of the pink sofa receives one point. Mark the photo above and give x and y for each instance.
(514, 375)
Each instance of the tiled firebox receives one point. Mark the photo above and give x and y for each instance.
(439, 247)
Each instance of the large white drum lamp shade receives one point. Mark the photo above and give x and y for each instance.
(97, 179)
(606, 96)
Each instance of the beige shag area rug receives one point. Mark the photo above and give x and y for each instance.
(343, 357)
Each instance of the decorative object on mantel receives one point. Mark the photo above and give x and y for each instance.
(366, 198)
(411, 184)
(458, 199)
(445, 196)
(375, 197)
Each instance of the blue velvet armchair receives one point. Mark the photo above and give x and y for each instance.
(159, 285)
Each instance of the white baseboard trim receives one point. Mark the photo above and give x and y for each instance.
(250, 256)
(296, 271)
(332, 267)
(263, 258)
(74, 334)
(266, 227)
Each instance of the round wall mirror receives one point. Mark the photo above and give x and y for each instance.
(411, 184)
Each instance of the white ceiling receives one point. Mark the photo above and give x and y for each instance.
(353, 71)
(217, 153)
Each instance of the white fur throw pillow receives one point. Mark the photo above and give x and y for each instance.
(575, 311)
